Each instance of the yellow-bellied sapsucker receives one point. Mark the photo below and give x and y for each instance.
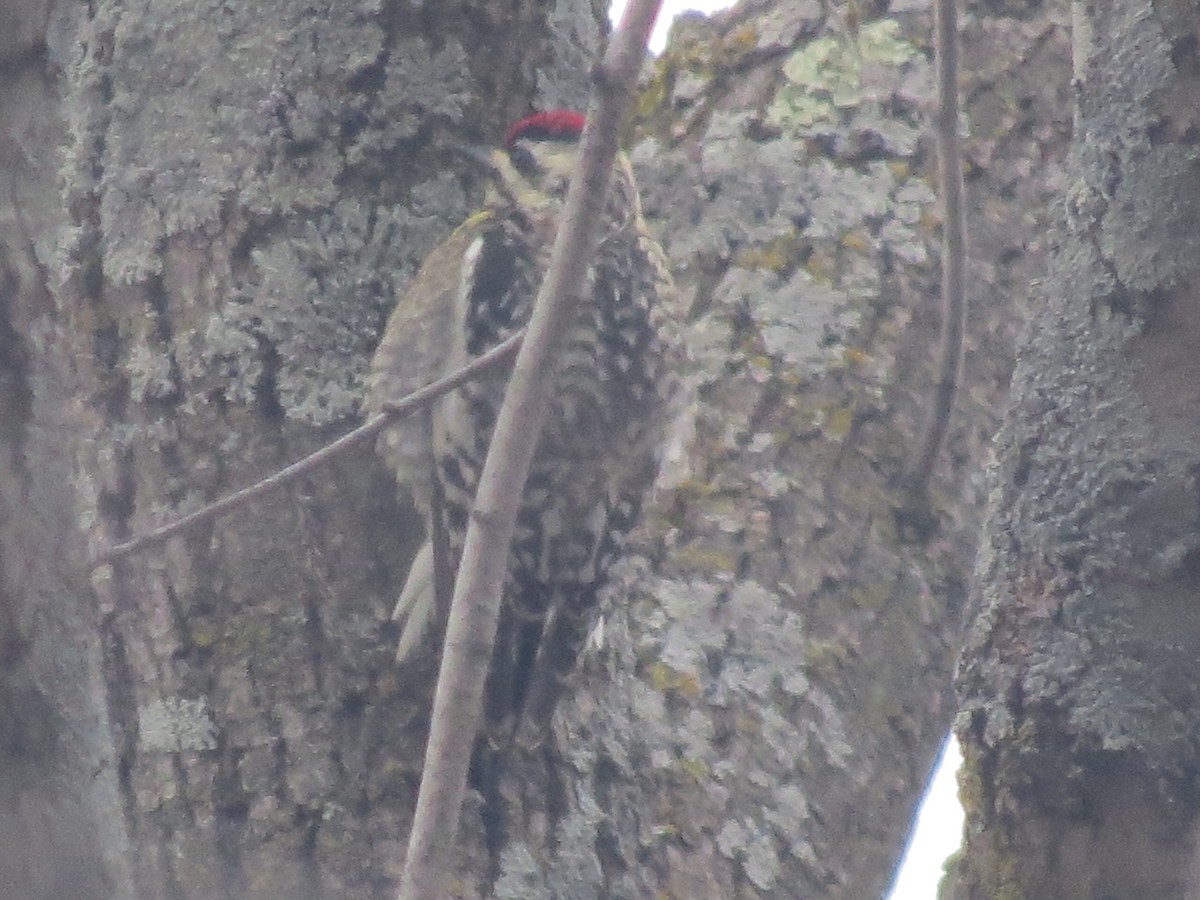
(597, 455)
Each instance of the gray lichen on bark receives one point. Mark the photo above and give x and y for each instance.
(232, 247)
(1091, 529)
(1079, 675)
(766, 674)
(249, 189)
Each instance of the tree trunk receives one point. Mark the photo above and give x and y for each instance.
(1080, 679)
(244, 189)
(791, 643)
(209, 214)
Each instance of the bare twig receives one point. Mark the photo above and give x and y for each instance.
(954, 250)
(471, 629)
(364, 432)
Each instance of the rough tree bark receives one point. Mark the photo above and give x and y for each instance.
(194, 287)
(785, 693)
(1081, 676)
(208, 212)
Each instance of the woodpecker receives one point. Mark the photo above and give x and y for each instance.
(597, 456)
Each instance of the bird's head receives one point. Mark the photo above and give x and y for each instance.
(532, 168)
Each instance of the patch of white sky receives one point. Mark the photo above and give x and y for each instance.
(937, 827)
(936, 832)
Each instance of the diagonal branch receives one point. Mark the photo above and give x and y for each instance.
(404, 407)
(474, 610)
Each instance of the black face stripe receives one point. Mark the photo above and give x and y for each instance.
(525, 162)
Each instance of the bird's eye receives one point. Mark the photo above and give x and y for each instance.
(524, 161)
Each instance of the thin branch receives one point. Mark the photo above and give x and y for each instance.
(475, 608)
(393, 412)
(954, 250)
